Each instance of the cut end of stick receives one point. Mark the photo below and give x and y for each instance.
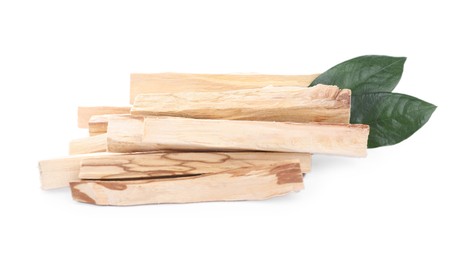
(85, 113)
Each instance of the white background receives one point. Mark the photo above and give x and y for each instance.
(401, 202)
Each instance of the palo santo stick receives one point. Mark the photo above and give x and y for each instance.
(253, 183)
(125, 135)
(179, 82)
(98, 124)
(174, 133)
(321, 103)
(147, 165)
(84, 113)
(58, 173)
(93, 144)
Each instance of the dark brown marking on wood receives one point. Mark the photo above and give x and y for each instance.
(80, 196)
(344, 95)
(142, 178)
(113, 185)
(288, 173)
(221, 157)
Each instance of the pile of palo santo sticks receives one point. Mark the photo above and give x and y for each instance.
(204, 137)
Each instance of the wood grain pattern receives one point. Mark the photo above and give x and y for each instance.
(59, 172)
(253, 183)
(98, 124)
(92, 144)
(321, 103)
(148, 165)
(174, 133)
(85, 113)
(180, 82)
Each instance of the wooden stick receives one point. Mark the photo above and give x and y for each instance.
(174, 133)
(98, 124)
(93, 144)
(57, 173)
(147, 165)
(125, 135)
(253, 183)
(180, 82)
(321, 103)
(84, 113)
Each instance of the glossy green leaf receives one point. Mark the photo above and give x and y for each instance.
(365, 74)
(392, 117)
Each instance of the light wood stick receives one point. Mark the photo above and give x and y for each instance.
(57, 173)
(84, 113)
(146, 165)
(253, 183)
(180, 82)
(321, 103)
(92, 144)
(125, 135)
(98, 124)
(174, 133)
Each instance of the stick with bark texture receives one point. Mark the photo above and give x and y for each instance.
(179, 82)
(84, 113)
(171, 133)
(93, 144)
(321, 103)
(148, 165)
(253, 183)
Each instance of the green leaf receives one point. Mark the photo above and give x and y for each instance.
(365, 74)
(392, 117)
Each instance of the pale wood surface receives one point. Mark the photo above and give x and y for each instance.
(321, 103)
(146, 165)
(92, 144)
(125, 135)
(98, 124)
(171, 133)
(174, 133)
(58, 172)
(181, 82)
(253, 183)
(84, 113)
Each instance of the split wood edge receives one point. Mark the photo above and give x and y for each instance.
(253, 183)
(57, 173)
(150, 165)
(179, 82)
(321, 103)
